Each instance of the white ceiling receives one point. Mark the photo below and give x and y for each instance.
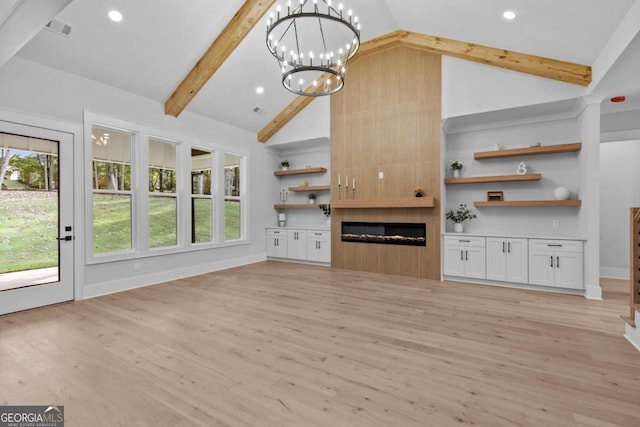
(153, 49)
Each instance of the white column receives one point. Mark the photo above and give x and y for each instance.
(589, 191)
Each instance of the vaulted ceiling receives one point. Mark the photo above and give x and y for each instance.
(151, 51)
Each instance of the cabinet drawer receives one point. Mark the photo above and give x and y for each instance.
(276, 232)
(318, 235)
(538, 245)
(466, 241)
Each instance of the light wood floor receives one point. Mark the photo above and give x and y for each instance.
(277, 344)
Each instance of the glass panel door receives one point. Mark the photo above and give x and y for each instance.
(36, 223)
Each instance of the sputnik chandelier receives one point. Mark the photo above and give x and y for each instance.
(313, 42)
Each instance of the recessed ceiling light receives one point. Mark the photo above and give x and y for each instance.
(115, 15)
(259, 89)
(509, 14)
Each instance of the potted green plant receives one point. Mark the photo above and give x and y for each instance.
(459, 216)
(456, 166)
(284, 165)
(326, 210)
(312, 198)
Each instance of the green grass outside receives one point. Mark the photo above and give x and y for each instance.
(28, 229)
(28, 232)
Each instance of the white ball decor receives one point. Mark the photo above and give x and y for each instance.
(561, 193)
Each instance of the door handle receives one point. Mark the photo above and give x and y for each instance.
(461, 255)
(502, 247)
(509, 247)
(65, 238)
(557, 262)
(467, 255)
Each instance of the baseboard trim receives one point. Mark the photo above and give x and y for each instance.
(106, 288)
(632, 335)
(614, 273)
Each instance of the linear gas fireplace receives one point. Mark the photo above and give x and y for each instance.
(384, 232)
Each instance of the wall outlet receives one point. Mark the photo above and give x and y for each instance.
(380, 175)
(556, 223)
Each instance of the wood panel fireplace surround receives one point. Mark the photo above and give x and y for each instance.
(385, 136)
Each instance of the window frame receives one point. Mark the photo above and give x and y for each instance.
(140, 190)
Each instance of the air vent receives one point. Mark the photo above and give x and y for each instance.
(59, 27)
(256, 110)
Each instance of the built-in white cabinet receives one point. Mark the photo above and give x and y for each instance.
(299, 244)
(556, 263)
(507, 259)
(276, 243)
(319, 246)
(464, 257)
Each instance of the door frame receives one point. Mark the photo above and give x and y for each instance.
(72, 133)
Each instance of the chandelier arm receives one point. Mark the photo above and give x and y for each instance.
(324, 42)
(295, 30)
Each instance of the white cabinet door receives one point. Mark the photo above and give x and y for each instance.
(541, 268)
(297, 244)
(556, 263)
(474, 258)
(517, 260)
(319, 246)
(569, 270)
(453, 260)
(464, 256)
(496, 258)
(276, 243)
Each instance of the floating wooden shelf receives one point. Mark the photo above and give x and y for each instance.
(496, 178)
(300, 206)
(529, 151)
(527, 203)
(397, 202)
(311, 188)
(300, 171)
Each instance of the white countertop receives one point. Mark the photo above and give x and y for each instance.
(518, 235)
(299, 228)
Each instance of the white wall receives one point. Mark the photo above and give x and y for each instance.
(557, 170)
(35, 89)
(468, 88)
(619, 191)
(299, 159)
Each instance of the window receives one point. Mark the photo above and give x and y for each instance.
(163, 200)
(112, 197)
(201, 197)
(232, 198)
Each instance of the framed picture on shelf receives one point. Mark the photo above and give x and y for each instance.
(495, 196)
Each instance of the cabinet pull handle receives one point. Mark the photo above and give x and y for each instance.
(502, 247)
(461, 255)
(467, 255)
(509, 247)
(319, 245)
(557, 262)
(551, 261)
(554, 246)
(464, 241)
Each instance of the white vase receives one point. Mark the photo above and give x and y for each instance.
(329, 223)
(456, 173)
(285, 168)
(312, 201)
(458, 227)
(561, 193)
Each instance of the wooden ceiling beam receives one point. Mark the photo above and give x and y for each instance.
(236, 30)
(563, 71)
(554, 69)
